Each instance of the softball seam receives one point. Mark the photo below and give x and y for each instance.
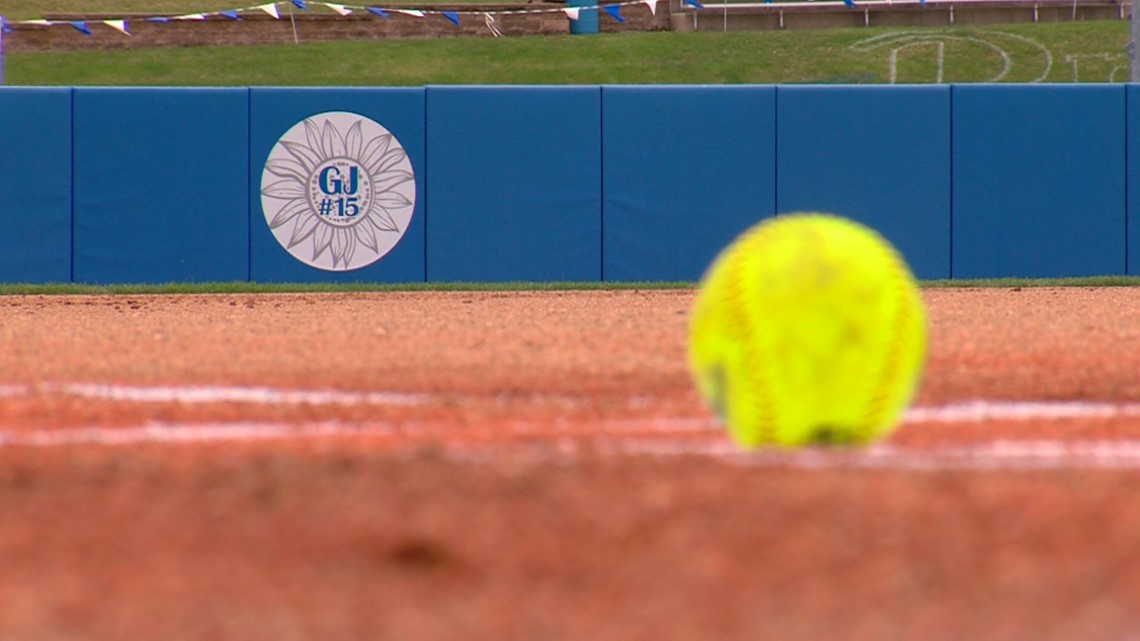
(892, 361)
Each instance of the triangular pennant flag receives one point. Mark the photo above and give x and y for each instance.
(231, 14)
(80, 26)
(849, 3)
(118, 25)
(191, 16)
(158, 19)
(271, 9)
(452, 16)
(615, 11)
(652, 4)
(572, 12)
(4, 25)
(46, 23)
(695, 3)
(377, 11)
(300, 4)
(412, 12)
(339, 8)
(490, 20)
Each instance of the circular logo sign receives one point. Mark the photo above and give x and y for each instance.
(338, 191)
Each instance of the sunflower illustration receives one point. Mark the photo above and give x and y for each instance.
(338, 201)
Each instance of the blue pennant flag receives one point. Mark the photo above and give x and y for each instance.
(80, 26)
(849, 3)
(695, 3)
(231, 14)
(158, 19)
(377, 11)
(300, 4)
(4, 25)
(452, 16)
(615, 11)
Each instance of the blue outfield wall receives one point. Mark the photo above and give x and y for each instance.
(160, 183)
(685, 172)
(35, 186)
(1132, 177)
(877, 154)
(579, 183)
(514, 183)
(1039, 180)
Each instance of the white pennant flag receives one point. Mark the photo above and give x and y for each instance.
(271, 9)
(412, 12)
(339, 8)
(491, 22)
(118, 25)
(191, 16)
(652, 4)
(46, 23)
(572, 12)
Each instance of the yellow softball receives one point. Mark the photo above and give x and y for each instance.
(808, 329)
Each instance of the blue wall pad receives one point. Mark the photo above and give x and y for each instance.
(686, 170)
(879, 155)
(1038, 177)
(1133, 173)
(380, 132)
(514, 183)
(161, 185)
(35, 185)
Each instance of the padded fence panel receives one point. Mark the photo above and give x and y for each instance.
(686, 170)
(1038, 177)
(383, 245)
(35, 185)
(514, 183)
(1133, 173)
(879, 155)
(161, 185)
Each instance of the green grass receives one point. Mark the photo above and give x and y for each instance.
(1082, 51)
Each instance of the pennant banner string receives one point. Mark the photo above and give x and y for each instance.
(272, 9)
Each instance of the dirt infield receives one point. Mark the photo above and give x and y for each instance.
(469, 465)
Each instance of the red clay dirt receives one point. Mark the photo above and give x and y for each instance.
(537, 466)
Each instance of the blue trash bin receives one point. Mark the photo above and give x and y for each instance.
(587, 21)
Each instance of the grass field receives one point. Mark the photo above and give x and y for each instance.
(1054, 52)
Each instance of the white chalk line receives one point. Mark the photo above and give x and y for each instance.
(996, 455)
(221, 394)
(616, 437)
(185, 433)
(964, 412)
